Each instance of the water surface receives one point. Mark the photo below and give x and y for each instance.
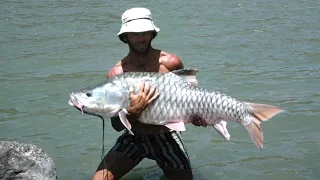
(259, 51)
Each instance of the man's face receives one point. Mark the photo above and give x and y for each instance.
(139, 41)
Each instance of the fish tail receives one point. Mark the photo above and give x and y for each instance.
(260, 112)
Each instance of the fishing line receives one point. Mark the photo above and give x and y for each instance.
(102, 153)
(103, 128)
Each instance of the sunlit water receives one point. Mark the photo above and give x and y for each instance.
(259, 51)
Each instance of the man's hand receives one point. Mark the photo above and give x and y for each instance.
(140, 101)
(198, 121)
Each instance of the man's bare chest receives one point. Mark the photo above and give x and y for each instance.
(145, 68)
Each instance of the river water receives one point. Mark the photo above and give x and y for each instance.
(261, 51)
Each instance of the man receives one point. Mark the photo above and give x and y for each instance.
(159, 143)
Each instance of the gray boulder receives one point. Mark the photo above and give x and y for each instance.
(25, 161)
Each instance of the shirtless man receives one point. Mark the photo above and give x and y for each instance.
(155, 142)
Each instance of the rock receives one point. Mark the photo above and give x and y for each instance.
(25, 161)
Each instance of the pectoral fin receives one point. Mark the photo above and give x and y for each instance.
(179, 126)
(124, 120)
(221, 128)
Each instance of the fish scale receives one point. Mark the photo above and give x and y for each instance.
(180, 101)
(199, 99)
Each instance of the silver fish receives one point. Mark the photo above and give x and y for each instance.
(179, 102)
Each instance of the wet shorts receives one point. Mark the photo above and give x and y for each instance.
(167, 149)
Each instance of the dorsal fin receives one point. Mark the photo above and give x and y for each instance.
(188, 75)
(187, 71)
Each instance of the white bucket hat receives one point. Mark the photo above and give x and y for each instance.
(137, 20)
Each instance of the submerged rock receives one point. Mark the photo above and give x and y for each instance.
(25, 161)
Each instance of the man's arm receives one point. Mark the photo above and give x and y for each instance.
(138, 102)
(115, 121)
(171, 61)
(116, 70)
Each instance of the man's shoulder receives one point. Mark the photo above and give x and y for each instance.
(115, 70)
(170, 61)
(170, 56)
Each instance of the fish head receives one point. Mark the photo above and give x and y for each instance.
(104, 100)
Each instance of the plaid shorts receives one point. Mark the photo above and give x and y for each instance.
(167, 149)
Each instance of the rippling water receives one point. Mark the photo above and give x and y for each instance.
(260, 51)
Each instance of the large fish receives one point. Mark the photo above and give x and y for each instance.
(179, 102)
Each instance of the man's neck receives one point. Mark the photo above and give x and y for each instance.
(139, 57)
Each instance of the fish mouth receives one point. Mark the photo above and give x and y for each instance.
(75, 102)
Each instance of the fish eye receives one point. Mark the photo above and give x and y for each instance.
(89, 94)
